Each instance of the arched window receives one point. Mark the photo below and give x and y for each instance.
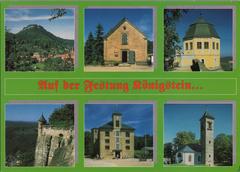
(124, 39)
(190, 158)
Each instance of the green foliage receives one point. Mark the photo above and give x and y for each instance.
(62, 117)
(169, 151)
(88, 143)
(184, 138)
(150, 47)
(94, 47)
(226, 63)
(57, 64)
(223, 149)
(143, 141)
(21, 140)
(20, 48)
(171, 37)
(89, 49)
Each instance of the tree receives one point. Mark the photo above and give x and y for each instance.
(89, 49)
(63, 116)
(184, 138)
(99, 45)
(223, 149)
(88, 143)
(171, 37)
(169, 151)
(57, 12)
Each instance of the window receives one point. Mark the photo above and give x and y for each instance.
(206, 45)
(213, 45)
(209, 142)
(209, 156)
(186, 46)
(107, 133)
(202, 61)
(209, 124)
(127, 134)
(106, 140)
(117, 139)
(107, 147)
(117, 146)
(127, 147)
(191, 45)
(117, 133)
(190, 158)
(217, 46)
(124, 39)
(199, 45)
(127, 141)
(117, 123)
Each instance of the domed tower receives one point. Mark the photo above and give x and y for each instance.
(201, 42)
(41, 122)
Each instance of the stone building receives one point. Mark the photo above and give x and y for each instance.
(113, 140)
(125, 43)
(193, 154)
(201, 42)
(55, 146)
(207, 139)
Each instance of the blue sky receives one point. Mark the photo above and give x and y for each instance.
(16, 19)
(142, 18)
(29, 112)
(220, 18)
(138, 116)
(185, 117)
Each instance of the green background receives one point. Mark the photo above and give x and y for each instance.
(220, 86)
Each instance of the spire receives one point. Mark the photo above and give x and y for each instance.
(42, 119)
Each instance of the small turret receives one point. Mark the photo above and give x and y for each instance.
(41, 122)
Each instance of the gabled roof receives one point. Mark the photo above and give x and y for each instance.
(190, 148)
(207, 115)
(109, 125)
(119, 24)
(186, 149)
(200, 29)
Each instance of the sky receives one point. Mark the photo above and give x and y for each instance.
(142, 18)
(63, 27)
(138, 116)
(220, 18)
(29, 112)
(185, 117)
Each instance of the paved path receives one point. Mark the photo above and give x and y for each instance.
(132, 68)
(117, 163)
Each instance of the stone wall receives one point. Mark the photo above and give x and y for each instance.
(136, 42)
(50, 142)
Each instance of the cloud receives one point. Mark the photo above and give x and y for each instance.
(20, 18)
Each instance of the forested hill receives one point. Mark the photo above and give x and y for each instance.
(34, 38)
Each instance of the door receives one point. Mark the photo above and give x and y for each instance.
(124, 56)
(131, 59)
(117, 154)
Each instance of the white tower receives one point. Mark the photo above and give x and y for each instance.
(207, 139)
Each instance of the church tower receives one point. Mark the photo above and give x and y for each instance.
(207, 139)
